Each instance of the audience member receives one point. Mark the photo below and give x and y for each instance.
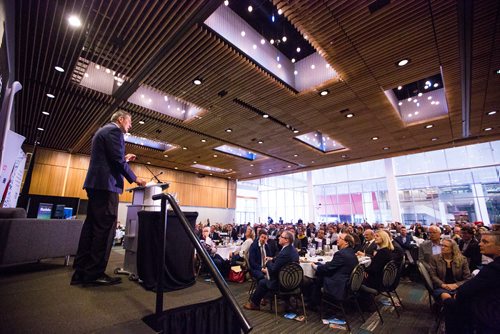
(374, 272)
(469, 247)
(369, 246)
(432, 246)
(258, 252)
(405, 239)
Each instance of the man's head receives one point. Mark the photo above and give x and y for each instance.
(286, 238)
(457, 230)
(490, 243)
(123, 119)
(403, 231)
(435, 234)
(345, 240)
(467, 233)
(321, 234)
(369, 235)
(262, 237)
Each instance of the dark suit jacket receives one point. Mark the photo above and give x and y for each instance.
(472, 253)
(368, 249)
(408, 242)
(287, 255)
(376, 269)
(481, 295)
(255, 260)
(337, 272)
(107, 161)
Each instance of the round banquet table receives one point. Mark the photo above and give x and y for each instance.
(305, 263)
(224, 251)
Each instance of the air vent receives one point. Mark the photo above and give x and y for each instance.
(377, 5)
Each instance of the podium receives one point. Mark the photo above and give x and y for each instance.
(141, 201)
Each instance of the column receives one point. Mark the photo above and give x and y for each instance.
(392, 190)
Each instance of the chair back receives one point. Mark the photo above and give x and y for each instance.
(426, 276)
(357, 277)
(290, 276)
(390, 275)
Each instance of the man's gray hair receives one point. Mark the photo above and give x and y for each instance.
(289, 236)
(118, 114)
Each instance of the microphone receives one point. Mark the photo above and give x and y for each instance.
(155, 176)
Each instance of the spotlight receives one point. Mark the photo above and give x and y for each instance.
(59, 69)
(403, 62)
(324, 92)
(74, 21)
(197, 81)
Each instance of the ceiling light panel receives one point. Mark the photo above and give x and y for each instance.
(237, 152)
(320, 142)
(153, 99)
(211, 168)
(150, 143)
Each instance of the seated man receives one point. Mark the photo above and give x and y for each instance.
(476, 305)
(404, 239)
(257, 256)
(470, 248)
(288, 254)
(333, 276)
(369, 246)
(430, 247)
(320, 239)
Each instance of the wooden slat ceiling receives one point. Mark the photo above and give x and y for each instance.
(164, 44)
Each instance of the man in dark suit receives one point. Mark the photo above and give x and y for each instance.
(369, 246)
(288, 254)
(333, 276)
(257, 255)
(104, 183)
(470, 248)
(476, 306)
(404, 239)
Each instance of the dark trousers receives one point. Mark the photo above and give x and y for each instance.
(260, 291)
(97, 234)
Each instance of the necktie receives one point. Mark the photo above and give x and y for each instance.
(262, 256)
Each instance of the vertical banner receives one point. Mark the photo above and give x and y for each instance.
(9, 157)
(14, 186)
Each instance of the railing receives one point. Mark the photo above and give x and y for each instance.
(219, 281)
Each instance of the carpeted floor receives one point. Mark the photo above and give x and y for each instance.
(37, 298)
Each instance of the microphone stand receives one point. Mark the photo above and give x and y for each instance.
(155, 176)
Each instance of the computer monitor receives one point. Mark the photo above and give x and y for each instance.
(68, 213)
(44, 211)
(58, 211)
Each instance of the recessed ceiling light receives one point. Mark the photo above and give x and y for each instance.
(141, 122)
(195, 162)
(149, 162)
(488, 129)
(251, 165)
(375, 138)
(400, 87)
(279, 65)
(228, 130)
(436, 85)
(428, 126)
(403, 62)
(250, 9)
(289, 166)
(313, 67)
(498, 71)
(226, 2)
(254, 47)
(50, 95)
(429, 98)
(409, 99)
(210, 174)
(344, 156)
(203, 140)
(40, 129)
(400, 103)
(74, 21)
(270, 170)
(295, 131)
(293, 60)
(324, 92)
(295, 155)
(419, 94)
(435, 138)
(59, 69)
(86, 75)
(260, 142)
(262, 41)
(493, 112)
(45, 113)
(280, 11)
(349, 115)
(386, 148)
(176, 168)
(271, 41)
(215, 155)
(184, 148)
(197, 81)
(312, 161)
(165, 155)
(295, 72)
(243, 33)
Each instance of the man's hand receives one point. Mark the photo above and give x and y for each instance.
(264, 270)
(140, 182)
(360, 253)
(130, 157)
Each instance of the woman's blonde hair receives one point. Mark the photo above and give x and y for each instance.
(252, 233)
(386, 239)
(457, 256)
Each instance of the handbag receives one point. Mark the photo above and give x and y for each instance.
(236, 275)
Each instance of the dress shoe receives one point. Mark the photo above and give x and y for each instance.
(251, 306)
(77, 278)
(104, 280)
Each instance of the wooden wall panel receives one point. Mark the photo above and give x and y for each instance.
(50, 172)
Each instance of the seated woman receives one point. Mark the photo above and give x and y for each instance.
(448, 270)
(242, 256)
(375, 271)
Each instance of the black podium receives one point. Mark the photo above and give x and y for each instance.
(179, 251)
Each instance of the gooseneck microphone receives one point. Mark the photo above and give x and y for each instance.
(155, 176)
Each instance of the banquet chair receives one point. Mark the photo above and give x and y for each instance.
(290, 280)
(355, 282)
(437, 306)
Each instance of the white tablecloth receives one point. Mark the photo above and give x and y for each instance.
(224, 251)
(305, 263)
